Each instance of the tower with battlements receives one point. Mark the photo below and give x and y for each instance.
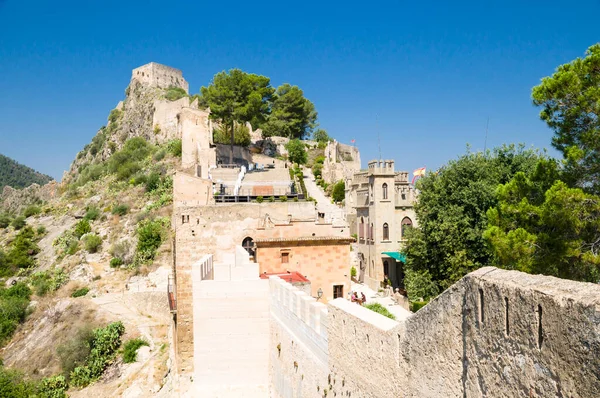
(161, 76)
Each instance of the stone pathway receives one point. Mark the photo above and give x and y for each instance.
(333, 213)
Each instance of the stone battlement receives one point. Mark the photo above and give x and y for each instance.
(158, 75)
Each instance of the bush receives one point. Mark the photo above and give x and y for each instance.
(53, 387)
(115, 262)
(151, 234)
(126, 162)
(317, 170)
(175, 93)
(380, 309)
(353, 272)
(339, 191)
(74, 352)
(80, 292)
(81, 228)
(31, 211)
(259, 199)
(272, 199)
(120, 209)
(152, 182)
(41, 230)
(92, 213)
(46, 281)
(417, 305)
(160, 155)
(174, 148)
(105, 343)
(91, 242)
(18, 222)
(297, 153)
(5, 220)
(283, 198)
(22, 249)
(419, 285)
(13, 307)
(13, 384)
(130, 349)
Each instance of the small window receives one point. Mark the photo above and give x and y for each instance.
(386, 232)
(185, 219)
(384, 191)
(338, 291)
(285, 258)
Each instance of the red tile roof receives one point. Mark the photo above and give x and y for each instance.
(289, 277)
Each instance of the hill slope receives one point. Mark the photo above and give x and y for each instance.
(19, 176)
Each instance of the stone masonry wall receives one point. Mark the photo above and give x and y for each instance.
(494, 333)
(298, 364)
(161, 76)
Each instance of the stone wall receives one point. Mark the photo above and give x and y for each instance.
(298, 358)
(241, 154)
(494, 333)
(161, 76)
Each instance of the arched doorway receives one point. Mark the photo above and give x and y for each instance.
(248, 245)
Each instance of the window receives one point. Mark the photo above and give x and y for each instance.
(371, 237)
(285, 258)
(185, 219)
(384, 191)
(406, 223)
(386, 232)
(338, 291)
(361, 228)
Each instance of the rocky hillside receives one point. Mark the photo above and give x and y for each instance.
(85, 264)
(16, 175)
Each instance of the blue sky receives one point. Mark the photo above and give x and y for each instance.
(430, 73)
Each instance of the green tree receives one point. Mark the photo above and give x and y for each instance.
(452, 208)
(237, 96)
(339, 191)
(296, 151)
(540, 225)
(241, 135)
(570, 101)
(321, 135)
(292, 116)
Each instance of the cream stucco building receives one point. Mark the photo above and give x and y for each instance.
(380, 203)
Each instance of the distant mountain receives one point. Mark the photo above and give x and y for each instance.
(19, 176)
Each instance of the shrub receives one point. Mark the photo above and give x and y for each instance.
(259, 199)
(104, 345)
(53, 387)
(41, 230)
(296, 150)
(353, 272)
(417, 305)
(92, 213)
(31, 211)
(22, 249)
(91, 242)
(156, 129)
(13, 307)
(339, 191)
(115, 115)
(152, 182)
(115, 262)
(283, 198)
(74, 352)
(150, 236)
(120, 209)
(18, 222)
(121, 251)
(160, 155)
(5, 220)
(80, 292)
(126, 162)
(174, 148)
(14, 385)
(380, 309)
(81, 228)
(272, 199)
(130, 349)
(317, 170)
(175, 93)
(419, 285)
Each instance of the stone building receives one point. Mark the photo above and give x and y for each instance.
(341, 162)
(323, 259)
(379, 204)
(161, 76)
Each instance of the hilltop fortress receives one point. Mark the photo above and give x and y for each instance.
(240, 330)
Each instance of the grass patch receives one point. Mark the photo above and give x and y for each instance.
(380, 309)
(80, 292)
(130, 349)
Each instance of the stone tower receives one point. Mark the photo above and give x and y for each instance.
(161, 76)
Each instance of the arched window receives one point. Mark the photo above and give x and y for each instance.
(406, 223)
(386, 232)
(384, 190)
(361, 228)
(248, 244)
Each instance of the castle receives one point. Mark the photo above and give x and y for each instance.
(494, 333)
